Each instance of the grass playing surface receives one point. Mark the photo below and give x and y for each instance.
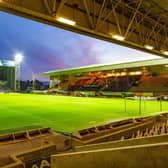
(68, 114)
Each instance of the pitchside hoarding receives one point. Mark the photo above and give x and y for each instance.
(38, 163)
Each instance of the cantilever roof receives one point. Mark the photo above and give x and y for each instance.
(104, 67)
(135, 18)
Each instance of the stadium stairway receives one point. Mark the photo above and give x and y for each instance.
(31, 147)
(138, 148)
(124, 143)
(115, 144)
(115, 130)
(145, 149)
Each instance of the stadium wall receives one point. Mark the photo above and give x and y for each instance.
(131, 156)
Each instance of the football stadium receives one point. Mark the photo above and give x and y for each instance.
(109, 115)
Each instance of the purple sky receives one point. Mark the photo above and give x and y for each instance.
(49, 48)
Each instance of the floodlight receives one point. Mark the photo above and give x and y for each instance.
(66, 21)
(18, 58)
(165, 52)
(118, 37)
(118, 74)
(138, 72)
(132, 73)
(149, 47)
(123, 73)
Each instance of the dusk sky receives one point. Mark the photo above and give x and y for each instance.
(49, 48)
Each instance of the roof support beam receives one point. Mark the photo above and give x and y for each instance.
(54, 6)
(61, 4)
(150, 19)
(88, 14)
(47, 7)
(132, 19)
(137, 23)
(153, 29)
(99, 18)
(108, 15)
(117, 22)
(100, 13)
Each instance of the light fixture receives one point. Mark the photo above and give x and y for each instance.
(135, 73)
(66, 21)
(117, 74)
(132, 73)
(118, 37)
(108, 75)
(18, 58)
(149, 47)
(165, 52)
(138, 72)
(123, 73)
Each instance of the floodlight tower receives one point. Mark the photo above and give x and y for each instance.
(18, 60)
(34, 77)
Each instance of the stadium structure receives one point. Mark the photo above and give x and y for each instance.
(142, 76)
(121, 143)
(133, 142)
(7, 75)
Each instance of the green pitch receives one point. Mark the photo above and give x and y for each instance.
(68, 114)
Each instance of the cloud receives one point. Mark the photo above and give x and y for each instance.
(50, 48)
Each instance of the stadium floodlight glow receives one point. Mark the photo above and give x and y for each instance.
(118, 74)
(123, 73)
(138, 72)
(135, 73)
(109, 75)
(66, 21)
(132, 73)
(118, 37)
(149, 47)
(18, 58)
(165, 52)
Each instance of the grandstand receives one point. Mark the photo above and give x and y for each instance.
(119, 143)
(141, 76)
(7, 75)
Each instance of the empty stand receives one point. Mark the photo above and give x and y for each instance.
(112, 131)
(152, 83)
(145, 147)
